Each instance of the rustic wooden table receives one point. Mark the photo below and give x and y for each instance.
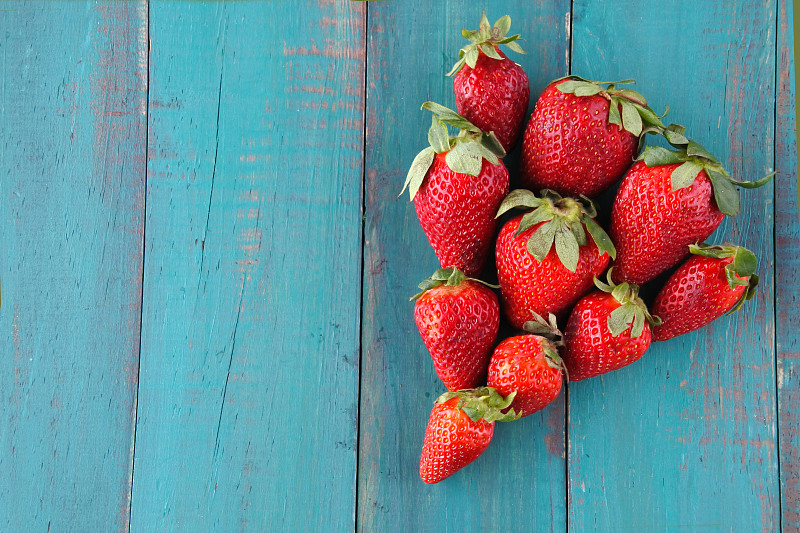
(206, 268)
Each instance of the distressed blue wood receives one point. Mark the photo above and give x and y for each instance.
(72, 173)
(518, 484)
(686, 437)
(249, 368)
(787, 274)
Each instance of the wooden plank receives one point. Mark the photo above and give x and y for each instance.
(72, 170)
(249, 371)
(518, 484)
(787, 274)
(686, 438)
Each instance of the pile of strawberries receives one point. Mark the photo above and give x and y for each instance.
(550, 253)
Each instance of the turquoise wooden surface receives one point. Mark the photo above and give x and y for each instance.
(188, 192)
(74, 103)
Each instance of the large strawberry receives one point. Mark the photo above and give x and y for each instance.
(458, 319)
(460, 428)
(608, 329)
(715, 281)
(545, 259)
(583, 135)
(457, 185)
(492, 91)
(530, 366)
(667, 201)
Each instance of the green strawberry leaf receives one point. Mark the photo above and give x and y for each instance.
(419, 169)
(501, 27)
(578, 231)
(632, 96)
(694, 149)
(533, 218)
(725, 193)
(654, 156)
(567, 248)
(676, 138)
(490, 51)
(588, 89)
(601, 238)
(485, 153)
(621, 292)
(438, 136)
(744, 262)
(638, 323)
(684, 175)
(491, 143)
(519, 198)
(541, 241)
(569, 85)
(631, 120)
(448, 116)
(514, 46)
(613, 115)
(620, 319)
(464, 159)
(754, 184)
(649, 117)
(748, 294)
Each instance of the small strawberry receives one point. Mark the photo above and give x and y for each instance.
(459, 429)
(608, 329)
(530, 366)
(492, 91)
(715, 281)
(667, 201)
(582, 136)
(545, 261)
(458, 319)
(457, 184)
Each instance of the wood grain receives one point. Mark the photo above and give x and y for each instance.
(787, 273)
(249, 371)
(72, 173)
(686, 437)
(518, 484)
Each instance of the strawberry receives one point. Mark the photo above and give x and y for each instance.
(545, 261)
(582, 136)
(715, 281)
(459, 429)
(457, 184)
(492, 91)
(458, 319)
(667, 201)
(608, 329)
(530, 366)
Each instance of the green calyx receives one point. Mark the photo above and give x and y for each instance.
(464, 153)
(693, 158)
(564, 223)
(739, 272)
(632, 312)
(483, 403)
(635, 116)
(486, 39)
(452, 277)
(553, 339)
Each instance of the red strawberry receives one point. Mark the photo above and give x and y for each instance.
(458, 319)
(582, 137)
(459, 429)
(545, 261)
(608, 329)
(530, 366)
(666, 202)
(715, 281)
(492, 91)
(457, 185)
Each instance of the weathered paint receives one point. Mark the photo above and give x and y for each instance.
(249, 368)
(787, 272)
(72, 174)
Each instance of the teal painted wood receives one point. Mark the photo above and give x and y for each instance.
(72, 171)
(787, 274)
(686, 437)
(518, 484)
(249, 367)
